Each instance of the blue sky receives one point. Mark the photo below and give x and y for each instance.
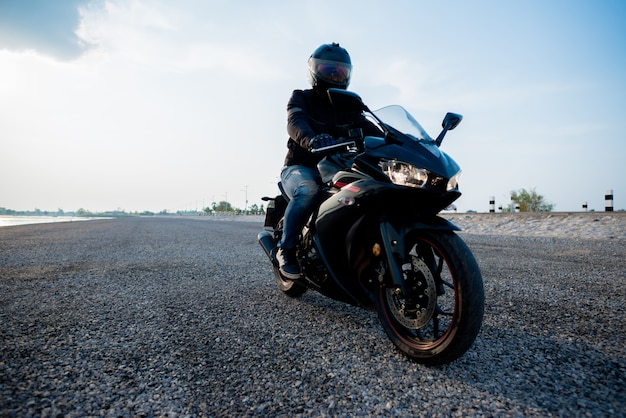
(152, 104)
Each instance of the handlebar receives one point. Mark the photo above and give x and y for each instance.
(337, 146)
(355, 137)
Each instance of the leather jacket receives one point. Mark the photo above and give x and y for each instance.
(310, 113)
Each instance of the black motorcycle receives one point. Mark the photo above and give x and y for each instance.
(376, 241)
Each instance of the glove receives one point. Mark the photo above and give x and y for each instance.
(321, 141)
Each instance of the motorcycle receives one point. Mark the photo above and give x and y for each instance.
(376, 240)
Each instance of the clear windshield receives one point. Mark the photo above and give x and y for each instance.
(398, 118)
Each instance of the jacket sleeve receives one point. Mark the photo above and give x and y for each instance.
(298, 126)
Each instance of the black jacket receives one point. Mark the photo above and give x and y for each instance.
(310, 113)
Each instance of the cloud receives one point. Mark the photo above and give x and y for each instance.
(48, 27)
(157, 37)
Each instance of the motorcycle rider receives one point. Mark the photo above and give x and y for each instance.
(312, 123)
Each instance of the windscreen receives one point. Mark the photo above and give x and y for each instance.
(398, 118)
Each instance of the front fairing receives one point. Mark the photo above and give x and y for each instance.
(409, 142)
(424, 154)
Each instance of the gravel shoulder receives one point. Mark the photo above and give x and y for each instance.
(181, 317)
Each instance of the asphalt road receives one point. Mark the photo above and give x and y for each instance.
(181, 317)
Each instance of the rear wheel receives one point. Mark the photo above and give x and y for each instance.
(439, 318)
(291, 288)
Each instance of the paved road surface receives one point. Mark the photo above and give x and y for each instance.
(180, 317)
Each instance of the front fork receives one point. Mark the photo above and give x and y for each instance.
(393, 243)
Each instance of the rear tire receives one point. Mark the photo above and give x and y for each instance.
(441, 317)
(291, 288)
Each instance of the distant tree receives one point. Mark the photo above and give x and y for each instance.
(530, 201)
(256, 210)
(223, 207)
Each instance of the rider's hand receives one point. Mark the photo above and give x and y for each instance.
(321, 141)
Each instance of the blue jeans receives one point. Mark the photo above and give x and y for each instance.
(302, 185)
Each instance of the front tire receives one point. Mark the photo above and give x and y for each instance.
(438, 321)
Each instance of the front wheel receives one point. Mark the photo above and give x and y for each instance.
(440, 317)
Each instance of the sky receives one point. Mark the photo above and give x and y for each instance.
(151, 105)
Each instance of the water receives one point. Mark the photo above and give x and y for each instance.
(25, 220)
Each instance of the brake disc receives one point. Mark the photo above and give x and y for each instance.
(414, 310)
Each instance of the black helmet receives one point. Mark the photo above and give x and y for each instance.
(330, 66)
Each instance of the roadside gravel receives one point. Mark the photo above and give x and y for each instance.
(181, 317)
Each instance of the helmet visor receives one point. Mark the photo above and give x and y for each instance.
(332, 71)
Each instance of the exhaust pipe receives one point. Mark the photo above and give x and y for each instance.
(269, 244)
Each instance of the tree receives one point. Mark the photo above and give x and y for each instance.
(223, 207)
(256, 210)
(530, 201)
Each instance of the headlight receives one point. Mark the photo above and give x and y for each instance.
(453, 183)
(404, 174)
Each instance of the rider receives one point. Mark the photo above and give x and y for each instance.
(312, 122)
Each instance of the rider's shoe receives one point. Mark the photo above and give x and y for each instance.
(288, 264)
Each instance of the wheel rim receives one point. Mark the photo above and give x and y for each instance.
(434, 326)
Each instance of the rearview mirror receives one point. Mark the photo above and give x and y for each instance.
(451, 121)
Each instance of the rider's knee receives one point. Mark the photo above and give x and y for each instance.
(307, 189)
